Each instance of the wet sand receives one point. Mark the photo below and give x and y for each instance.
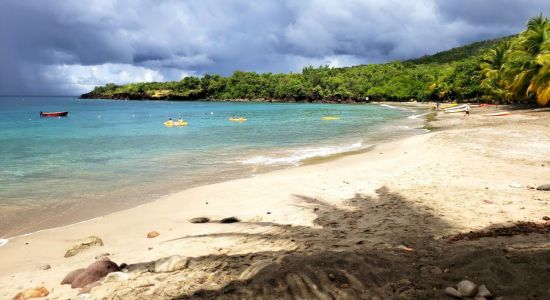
(373, 224)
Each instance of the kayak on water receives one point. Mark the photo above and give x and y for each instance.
(175, 123)
(54, 114)
(330, 118)
(497, 114)
(238, 119)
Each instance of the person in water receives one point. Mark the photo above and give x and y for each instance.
(180, 120)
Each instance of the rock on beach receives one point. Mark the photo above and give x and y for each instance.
(84, 244)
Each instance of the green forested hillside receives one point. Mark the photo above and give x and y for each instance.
(456, 74)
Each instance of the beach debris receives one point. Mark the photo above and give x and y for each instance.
(546, 218)
(451, 291)
(516, 229)
(229, 220)
(466, 288)
(515, 185)
(32, 293)
(82, 277)
(200, 220)
(103, 256)
(84, 244)
(152, 234)
(117, 276)
(404, 248)
(170, 264)
(45, 267)
(544, 187)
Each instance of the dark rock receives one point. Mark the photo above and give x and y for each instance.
(91, 274)
(69, 278)
(229, 220)
(199, 220)
(544, 187)
(45, 267)
(546, 218)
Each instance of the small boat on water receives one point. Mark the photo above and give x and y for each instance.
(237, 119)
(330, 118)
(171, 123)
(54, 114)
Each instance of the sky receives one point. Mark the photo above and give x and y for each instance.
(62, 47)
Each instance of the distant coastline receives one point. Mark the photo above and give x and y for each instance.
(452, 75)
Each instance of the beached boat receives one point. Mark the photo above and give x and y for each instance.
(54, 114)
(456, 109)
(237, 119)
(497, 114)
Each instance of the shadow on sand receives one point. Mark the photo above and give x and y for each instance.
(382, 247)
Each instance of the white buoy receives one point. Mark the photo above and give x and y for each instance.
(211, 112)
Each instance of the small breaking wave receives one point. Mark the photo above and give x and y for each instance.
(296, 157)
(395, 107)
(417, 116)
(3, 242)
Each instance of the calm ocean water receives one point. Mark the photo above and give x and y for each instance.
(109, 155)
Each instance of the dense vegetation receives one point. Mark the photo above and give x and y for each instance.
(477, 71)
(518, 70)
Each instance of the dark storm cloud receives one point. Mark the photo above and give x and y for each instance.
(506, 13)
(70, 46)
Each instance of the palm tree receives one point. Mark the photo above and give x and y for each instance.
(529, 62)
(493, 70)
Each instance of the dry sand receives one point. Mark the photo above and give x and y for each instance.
(369, 225)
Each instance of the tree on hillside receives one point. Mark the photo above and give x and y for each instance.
(520, 70)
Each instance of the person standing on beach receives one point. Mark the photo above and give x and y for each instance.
(467, 110)
(437, 103)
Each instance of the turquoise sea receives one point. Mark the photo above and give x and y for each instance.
(111, 154)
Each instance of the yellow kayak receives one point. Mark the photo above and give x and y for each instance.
(239, 119)
(175, 124)
(444, 106)
(330, 118)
